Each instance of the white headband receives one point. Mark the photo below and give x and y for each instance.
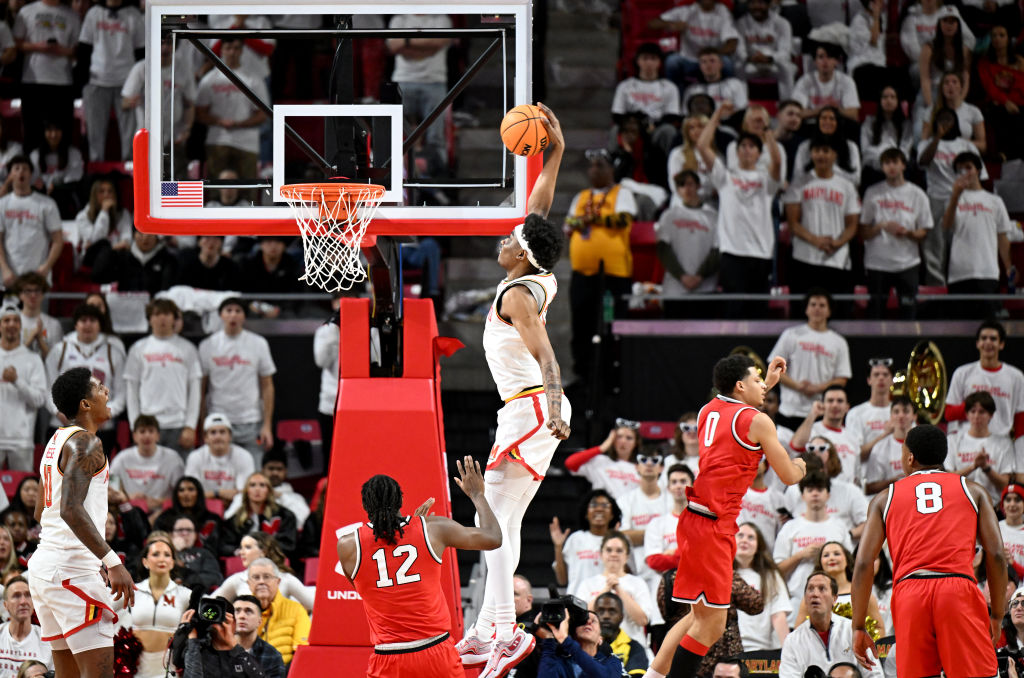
(518, 233)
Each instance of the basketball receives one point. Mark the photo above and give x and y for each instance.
(523, 132)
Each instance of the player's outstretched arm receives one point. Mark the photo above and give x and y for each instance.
(995, 557)
(543, 193)
(762, 432)
(85, 458)
(863, 576)
(521, 308)
(446, 532)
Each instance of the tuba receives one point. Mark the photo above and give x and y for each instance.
(925, 381)
(759, 363)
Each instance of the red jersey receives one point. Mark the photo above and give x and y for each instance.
(931, 523)
(400, 585)
(728, 460)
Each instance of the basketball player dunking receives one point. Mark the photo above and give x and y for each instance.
(733, 435)
(932, 520)
(71, 598)
(535, 416)
(394, 563)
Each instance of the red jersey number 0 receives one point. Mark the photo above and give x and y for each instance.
(710, 424)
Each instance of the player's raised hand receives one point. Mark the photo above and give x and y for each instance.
(470, 480)
(551, 124)
(776, 368)
(424, 508)
(121, 584)
(864, 649)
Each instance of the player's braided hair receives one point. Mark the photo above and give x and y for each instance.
(382, 501)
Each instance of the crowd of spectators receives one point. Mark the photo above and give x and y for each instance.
(199, 502)
(795, 546)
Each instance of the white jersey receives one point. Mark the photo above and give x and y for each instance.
(1013, 544)
(512, 366)
(60, 550)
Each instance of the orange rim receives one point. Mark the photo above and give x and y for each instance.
(329, 194)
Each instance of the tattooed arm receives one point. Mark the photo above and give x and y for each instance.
(520, 308)
(83, 458)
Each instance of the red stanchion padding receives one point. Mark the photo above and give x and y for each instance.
(382, 425)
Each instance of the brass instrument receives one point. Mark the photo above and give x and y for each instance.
(759, 363)
(925, 381)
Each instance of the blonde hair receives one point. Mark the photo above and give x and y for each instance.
(159, 536)
(245, 510)
(690, 160)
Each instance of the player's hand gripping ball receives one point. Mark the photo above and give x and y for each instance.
(523, 131)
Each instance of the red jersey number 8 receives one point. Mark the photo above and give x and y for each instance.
(710, 424)
(929, 497)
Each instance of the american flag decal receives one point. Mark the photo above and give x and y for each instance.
(181, 194)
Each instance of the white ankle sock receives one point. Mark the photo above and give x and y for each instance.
(651, 673)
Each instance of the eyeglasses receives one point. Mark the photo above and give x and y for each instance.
(599, 505)
(817, 448)
(652, 459)
(880, 362)
(262, 577)
(688, 428)
(31, 290)
(183, 530)
(627, 423)
(1019, 602)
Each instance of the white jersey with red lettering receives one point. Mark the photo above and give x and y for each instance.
(761, 507)
(1013, 544)
(59, 549)
(512, 366)
(868, 420)
(1005, 384)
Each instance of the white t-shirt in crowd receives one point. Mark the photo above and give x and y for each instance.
(162, 377)
(39, 22)
(824, 205)
(660, 535)
(582, 554)
(861, 50)
(846, 503)
(15, 652)
(886, 460)
(773, 37)
(1013, 543)
(692, 233)
(812, 92)
(940, 173)
(184, 91)
(803, 159)
(252, 61)
(154, 476)
(27, 224)
(52, 330)
(761, 507)
(798, 534)
(974, 250)
(20, 400)
(871, 152)
(114, 37)
(226, 472)
(756, 630)
(226, 101)
(968, 115)
(813, 356)
(654, 98)
(726, 89)
(745, 217)
(638, 510)
(612, 475)
(764, 161)
(433, 68)
(908, 206)
(918, 30)
(703, 29)
(593, 586)
(848, 443)
(868, 420)
(1005, 384)
(325, 355)
(233, 367)
(962, 449)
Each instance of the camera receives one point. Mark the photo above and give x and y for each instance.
(208, 611)
(553, 612)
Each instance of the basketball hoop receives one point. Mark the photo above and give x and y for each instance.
(332, 219)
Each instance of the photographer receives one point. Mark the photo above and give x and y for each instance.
(580, 654)
(217, 653)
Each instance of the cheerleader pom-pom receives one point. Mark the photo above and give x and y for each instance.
(127, 650)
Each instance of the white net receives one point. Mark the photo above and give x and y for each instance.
(332, 220)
